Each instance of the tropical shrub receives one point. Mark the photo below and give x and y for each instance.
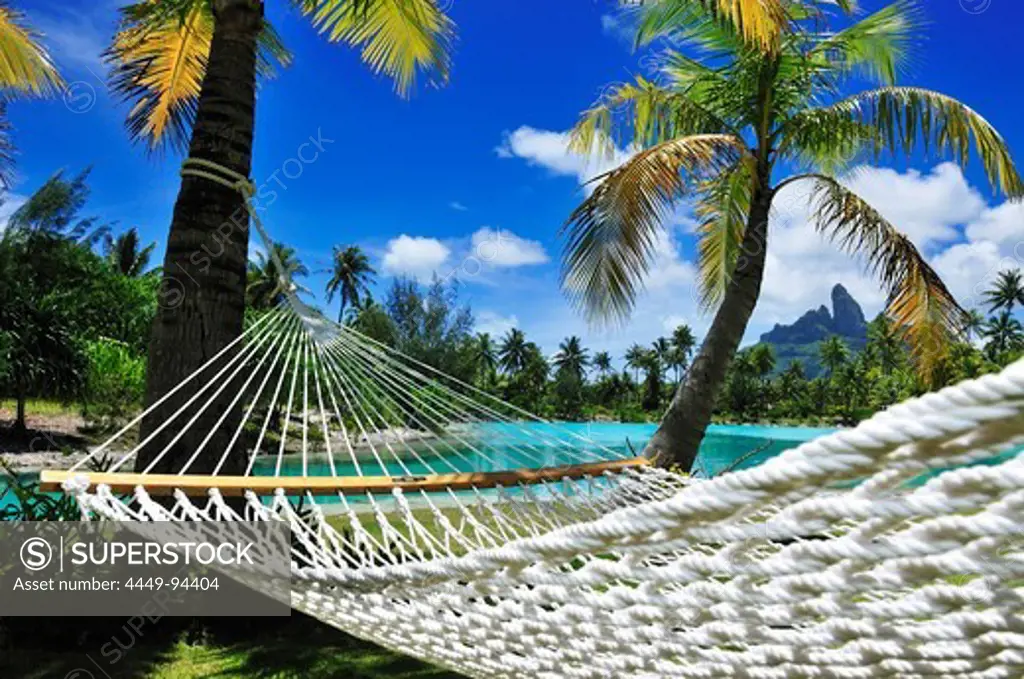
(114, 382)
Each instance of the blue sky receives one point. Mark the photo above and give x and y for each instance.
(473, 178)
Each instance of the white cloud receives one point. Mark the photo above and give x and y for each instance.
(619, 26)
(494, 323)
(457, 206)
(11, 203)
(76, 38)
(414, 256)
(503, 249)
(550, 150)
(925, 206)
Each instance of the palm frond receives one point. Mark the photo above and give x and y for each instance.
(25, 65)
(398, 37)
(714, 23)
(158, 59)
(826, 141)
(643, 114)
(877, 45)
(920, 305)
(723, 221)
(611, 238)
(905, 117)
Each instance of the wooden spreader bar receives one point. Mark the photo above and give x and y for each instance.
(165, 484)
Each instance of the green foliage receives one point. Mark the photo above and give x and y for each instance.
(114, 382)
(57, 294)
(21, 499)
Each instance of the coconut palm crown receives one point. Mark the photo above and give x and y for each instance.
(351, 276)
(718, 127)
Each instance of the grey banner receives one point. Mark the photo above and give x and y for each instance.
(154, 569)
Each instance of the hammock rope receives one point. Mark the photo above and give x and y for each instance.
(434, 519)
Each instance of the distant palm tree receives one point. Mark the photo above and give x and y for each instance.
(683, 339)
(833, 353)
(718, 131)
(351, 276)
(25, 68)
(885, 344)
(763, 359)
(53, 209)
(662, 347)
(603, 363)
(572, 357)
(634, 359)
(974, 322)
(514, 352)
(485, 358)
(1007, 291)
(1004, 333)
(792, 381)
(265, 287)
(125, 255)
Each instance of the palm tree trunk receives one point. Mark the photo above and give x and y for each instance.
(202, 293)
(682, 428)
(20, 424)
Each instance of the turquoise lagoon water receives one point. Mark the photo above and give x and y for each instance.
(723, 446)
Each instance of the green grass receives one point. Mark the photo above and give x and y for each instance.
(42, 407)
(268, 659)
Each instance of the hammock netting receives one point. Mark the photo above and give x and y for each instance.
(434, 519)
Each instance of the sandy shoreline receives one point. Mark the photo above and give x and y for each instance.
(363, 446)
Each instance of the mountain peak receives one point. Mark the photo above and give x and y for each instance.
(799, 341)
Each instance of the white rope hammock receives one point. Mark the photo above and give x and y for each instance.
(438, 521)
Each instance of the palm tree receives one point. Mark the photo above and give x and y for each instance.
(833, 352)
(884, 344)
(974, 321)
(53, 210)
(1007, 291)
(351, 275)
(25, 69)
(1004, 333)
(717, 132)
(485, 358)
(792, 381)
(189, 69)
(265, 286)
(513, 354)
(662, 347)
(763, 359)
(683, 339)
(634, 359)
(572, 357)
(603, 363)
(125, 255)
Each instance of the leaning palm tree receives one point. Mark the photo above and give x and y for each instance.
(126, 256)
(189, 70)
(351, 276)
(25, 69)
(1007, 291)
(717, 132)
